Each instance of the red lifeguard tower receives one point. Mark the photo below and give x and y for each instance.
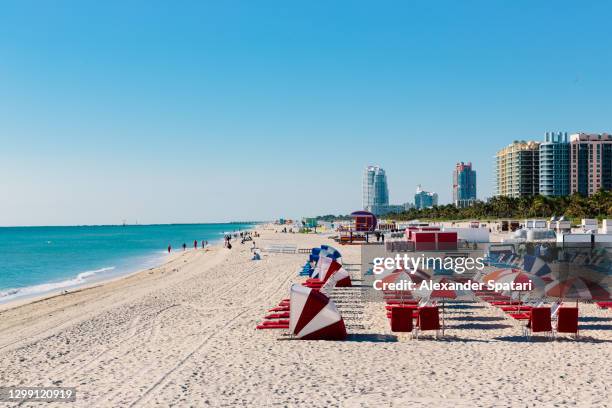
(364, 221)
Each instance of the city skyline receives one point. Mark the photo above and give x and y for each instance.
(213, 112)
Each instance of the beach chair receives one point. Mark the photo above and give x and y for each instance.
(604, 305)
(401, 320)
(567, 320)
(429, 319)
(539, 321)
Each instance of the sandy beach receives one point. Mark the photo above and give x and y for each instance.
(183, 334)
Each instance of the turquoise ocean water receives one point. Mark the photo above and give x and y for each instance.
(38, 260)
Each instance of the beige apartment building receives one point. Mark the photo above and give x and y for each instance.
(518, 169)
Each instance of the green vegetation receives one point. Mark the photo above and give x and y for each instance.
(331, 218)
(575, 206)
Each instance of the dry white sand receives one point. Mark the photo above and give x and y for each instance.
(184, 335)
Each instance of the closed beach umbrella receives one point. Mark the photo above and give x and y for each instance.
(340, 278)
(328, 268)
(330, 252)
(314, 316)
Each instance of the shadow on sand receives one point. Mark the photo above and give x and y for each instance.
(481, 326)
(476, 318)
(371, 338)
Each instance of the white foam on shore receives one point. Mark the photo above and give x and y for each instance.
(81, 278)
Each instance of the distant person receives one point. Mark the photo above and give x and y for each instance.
(169, 248)
(195, 244)
(203, 244)
(184, 246)
(229, 245)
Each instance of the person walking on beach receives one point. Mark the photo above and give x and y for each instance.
(184, 246)
(203, 244)
(195, 244)
(169, 248)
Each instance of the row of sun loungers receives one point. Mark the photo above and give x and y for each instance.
(539, 317)
(281, 249)
(316, 316)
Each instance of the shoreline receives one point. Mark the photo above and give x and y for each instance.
(156, 261)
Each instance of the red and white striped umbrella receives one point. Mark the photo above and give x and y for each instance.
(325, 268)
(577, 288)
(314, 316)
(340, 278)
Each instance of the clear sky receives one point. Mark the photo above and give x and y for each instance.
(212, 111)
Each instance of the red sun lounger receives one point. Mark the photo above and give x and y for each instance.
(401, 319)
(279, 309)
(567, 320)
(604, 305)
(519, 316)
(506, 303)
(429, 319)
(516, 309)
(540, 321)
(269, 326)
(277, 316)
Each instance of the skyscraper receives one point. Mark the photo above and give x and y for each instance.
(375, 190)
(555, 165)
(591, 163)
(464, 185)
(424, 199)
(518, 169)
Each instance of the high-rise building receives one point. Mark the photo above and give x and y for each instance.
(555, 165)
(424, 199)
(375, 190)
(591, 163)
(518, 169)
(464, 185)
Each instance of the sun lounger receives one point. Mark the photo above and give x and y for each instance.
(520, 316)
(401, 319)
(279, 309)
(516, 308)
(567, 320)
(506, 303)
(281, 249)
(429, 319)
(270, 326)
(604, 305)
(277, 316)
(540, 321)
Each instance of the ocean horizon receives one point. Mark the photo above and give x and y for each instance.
(36, 260)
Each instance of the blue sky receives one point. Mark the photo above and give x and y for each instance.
(213, 111)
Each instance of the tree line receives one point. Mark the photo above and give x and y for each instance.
(576, 206)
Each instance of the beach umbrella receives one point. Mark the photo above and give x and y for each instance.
(327, 268)
(398, 276)
(536, 265)
(330, 252)
(314, 316)
(577, 288)
(496, 274)
(445, 293)
(340, 278)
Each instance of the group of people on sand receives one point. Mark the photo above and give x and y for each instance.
(195, 245)
(243, 235)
